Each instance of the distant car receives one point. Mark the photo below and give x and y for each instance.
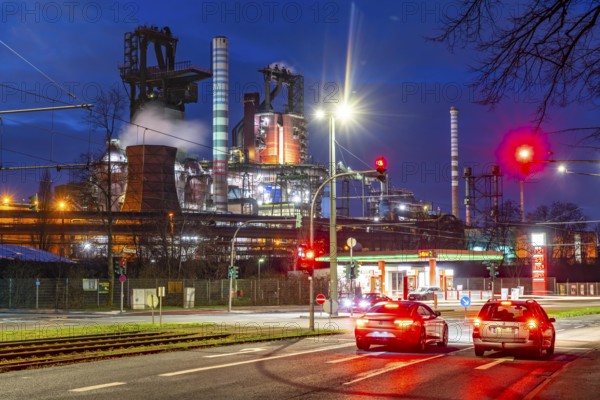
(424, 293)
(513, 325)
(367, 300)
(401, 323)
(346, 303)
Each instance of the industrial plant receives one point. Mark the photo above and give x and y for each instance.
(163, 214)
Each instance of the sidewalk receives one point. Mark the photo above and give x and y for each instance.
(579, 379)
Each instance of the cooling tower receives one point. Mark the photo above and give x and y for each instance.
(151, 179)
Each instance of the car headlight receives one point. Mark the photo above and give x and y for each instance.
(347, 303)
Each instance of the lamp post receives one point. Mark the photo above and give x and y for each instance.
(343, 112)
(62, 205)
(260, 260)
(312, 238)
(563, 170)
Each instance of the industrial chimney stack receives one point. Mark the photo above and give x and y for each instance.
(454, 158)
(220, 73)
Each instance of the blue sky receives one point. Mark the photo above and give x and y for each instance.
(405, 85)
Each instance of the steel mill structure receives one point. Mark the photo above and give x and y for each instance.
(262, 171)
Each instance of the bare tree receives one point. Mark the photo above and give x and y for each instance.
(547, 50)
(107, 113)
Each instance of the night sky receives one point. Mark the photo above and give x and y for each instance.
(403, 84)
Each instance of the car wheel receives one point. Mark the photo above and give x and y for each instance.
(444, 341)
(550, 350)
(422, 343)
(479, 351)
(362, 345)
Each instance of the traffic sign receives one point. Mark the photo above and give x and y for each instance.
(122, 278)
(465, 301)
(320, 299)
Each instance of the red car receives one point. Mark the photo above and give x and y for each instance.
(401, 323)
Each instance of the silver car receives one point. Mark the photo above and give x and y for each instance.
(513, 325)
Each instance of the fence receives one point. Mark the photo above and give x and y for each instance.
(93, 294)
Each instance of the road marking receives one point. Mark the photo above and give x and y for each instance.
(355, 357)
(242, 351)
(578, 326)
(391, 367)
(233, 364)
(496, 362)
(96, 387)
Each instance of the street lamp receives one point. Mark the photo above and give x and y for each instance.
(260, 260)
(61, 206)
(563, 170)
(343, 112)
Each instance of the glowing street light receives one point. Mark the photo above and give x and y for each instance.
(343, 112)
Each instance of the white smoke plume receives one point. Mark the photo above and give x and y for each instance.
(162, 126)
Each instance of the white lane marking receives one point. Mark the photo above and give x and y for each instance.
(578, 326)
(242, 351)
(233, 364)
(392, 366)
(96, 387)
(496, 362)
(574, 348)
(355, 357)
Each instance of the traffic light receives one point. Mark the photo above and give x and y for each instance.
(354, 269)
(493, 269)
(381, 167)
(307, 260)
(123, 265)
(33, 202)
(298, 220)
(233, 272)
(348, 271)
(117, 266)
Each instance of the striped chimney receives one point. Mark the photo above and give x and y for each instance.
(454, 158)
(220, 73)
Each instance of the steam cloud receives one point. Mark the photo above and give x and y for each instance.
(164, 127)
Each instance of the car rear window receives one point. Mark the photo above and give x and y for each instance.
(399, 309)
(505, 312)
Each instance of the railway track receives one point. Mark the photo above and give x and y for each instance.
(25, 354)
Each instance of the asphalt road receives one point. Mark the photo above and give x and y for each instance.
(314, 368)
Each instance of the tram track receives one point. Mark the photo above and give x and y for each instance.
(25, 354)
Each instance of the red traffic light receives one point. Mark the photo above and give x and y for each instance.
(309, 254)
(123, 262)
(381, 165)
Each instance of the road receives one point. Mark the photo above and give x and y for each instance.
(314, 368)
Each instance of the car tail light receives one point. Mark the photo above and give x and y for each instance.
(506, 303)
(476, 325)
(532, 324)
(362, 322)
(405, 323)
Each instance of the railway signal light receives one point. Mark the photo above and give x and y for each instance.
(381, 167)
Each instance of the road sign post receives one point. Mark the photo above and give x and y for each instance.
(122, 279)
(465, 301)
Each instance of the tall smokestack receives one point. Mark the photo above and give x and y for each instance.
(454, 158)
(220, 73)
